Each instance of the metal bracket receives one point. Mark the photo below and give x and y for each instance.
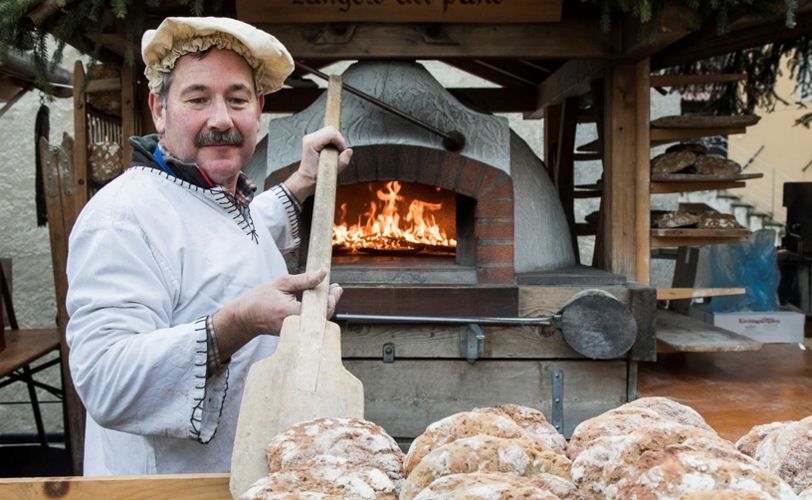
(389, 352)
(472, 342)
(557, 417)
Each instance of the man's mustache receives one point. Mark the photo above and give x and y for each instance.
(215, 138)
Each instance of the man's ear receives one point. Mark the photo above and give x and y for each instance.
(158, 110)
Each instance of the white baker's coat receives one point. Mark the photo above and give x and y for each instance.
(150, 257)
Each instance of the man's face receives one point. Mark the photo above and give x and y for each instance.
(212, 113)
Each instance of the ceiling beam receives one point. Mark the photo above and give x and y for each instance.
(564, 40)
(490, 100)
(641, 40)
(573, 78)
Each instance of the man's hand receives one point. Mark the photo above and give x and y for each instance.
(262, 309)
(302, 183)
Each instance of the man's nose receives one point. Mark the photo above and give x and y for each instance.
(220, 117)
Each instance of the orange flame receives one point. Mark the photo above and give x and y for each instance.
(382, 228)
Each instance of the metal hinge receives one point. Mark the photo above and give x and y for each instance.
(472, 342)
(389, 352)
(557, 417)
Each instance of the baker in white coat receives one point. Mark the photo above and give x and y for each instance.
(177, 282)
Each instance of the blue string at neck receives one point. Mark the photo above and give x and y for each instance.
(158, 155)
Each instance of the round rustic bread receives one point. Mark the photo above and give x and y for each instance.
(610, 462)
(357, 441)
(725, 495)
(787, 451)
(330, 476)
(483, 453)
(611, 423)
(534, 422)
(670, 410)
(484, 486)
(748, 443)
(679, 469)
(671, 163)
(457, 426)
(693, 147)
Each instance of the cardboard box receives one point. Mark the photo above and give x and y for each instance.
(769, 327)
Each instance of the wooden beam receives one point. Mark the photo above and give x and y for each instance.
(677, 134)
(491, 100)
(177, 486)
(573, 78)
(626, 171)
(563, 173)
(708, 43)
(639, 41)
(564, 40)
(128, 111)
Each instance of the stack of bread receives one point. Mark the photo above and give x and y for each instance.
(504, 452)
(331, 458)
(784, 448)
(658, 448)
(691, 158)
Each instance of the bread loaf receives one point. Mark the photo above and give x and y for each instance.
(670, 163)
(725, 495)
(355, 440)
(484, 486)
(534, 422)
(671, 410)
(611, 423)
(457, 426)
(679, 469)
(483, 453)
(609, 463)
(329, 476)
(748, 443)
(787, 451)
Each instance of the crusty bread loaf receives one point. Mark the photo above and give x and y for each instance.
(669, 163)
(787, 451)
(680, 469)
(299, 495)
(484, 486)
(725, 495)
(330, 476)
(534, 422)
(457, 426)
(611, 423)
(670, 410)
(608, 463)
(355, 440)
(748, 443)
(483, 453)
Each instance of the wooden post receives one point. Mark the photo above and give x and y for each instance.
(80, 135)
(128, 112)
(564, 176)
(626, 171)
(552, 127)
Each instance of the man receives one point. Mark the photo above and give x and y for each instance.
(176, 280)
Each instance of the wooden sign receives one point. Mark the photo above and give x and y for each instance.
(399, 11)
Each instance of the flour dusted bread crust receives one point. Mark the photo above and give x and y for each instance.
(534, 422)
(679, 469)
(669, 163)
(330, 480)
(355, 440)
(611, 423)
(457, 426)
(484, 486)
(483, 453)
(725, 495)
(671, 410)
(610, 463)
(787, 451)
(806, 494)
(748, 443)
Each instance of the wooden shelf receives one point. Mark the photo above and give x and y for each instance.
(664, 135)
(689, 237)
(686, 80)
(683, 183)
(696, 293)
(680, 333)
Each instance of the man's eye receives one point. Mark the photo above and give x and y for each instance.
(196, 100)
(239, 101)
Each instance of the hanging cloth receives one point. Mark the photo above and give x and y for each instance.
(42, 128)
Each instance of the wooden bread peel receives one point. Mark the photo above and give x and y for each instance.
(304, 378)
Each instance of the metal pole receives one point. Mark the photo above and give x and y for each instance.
(446, 320)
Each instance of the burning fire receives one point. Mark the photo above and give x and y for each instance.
(386, 229)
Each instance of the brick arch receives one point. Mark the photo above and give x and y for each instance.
(490, 187)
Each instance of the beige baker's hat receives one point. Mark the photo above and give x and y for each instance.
(178, 36)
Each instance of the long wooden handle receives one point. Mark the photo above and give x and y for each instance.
(320, 249)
